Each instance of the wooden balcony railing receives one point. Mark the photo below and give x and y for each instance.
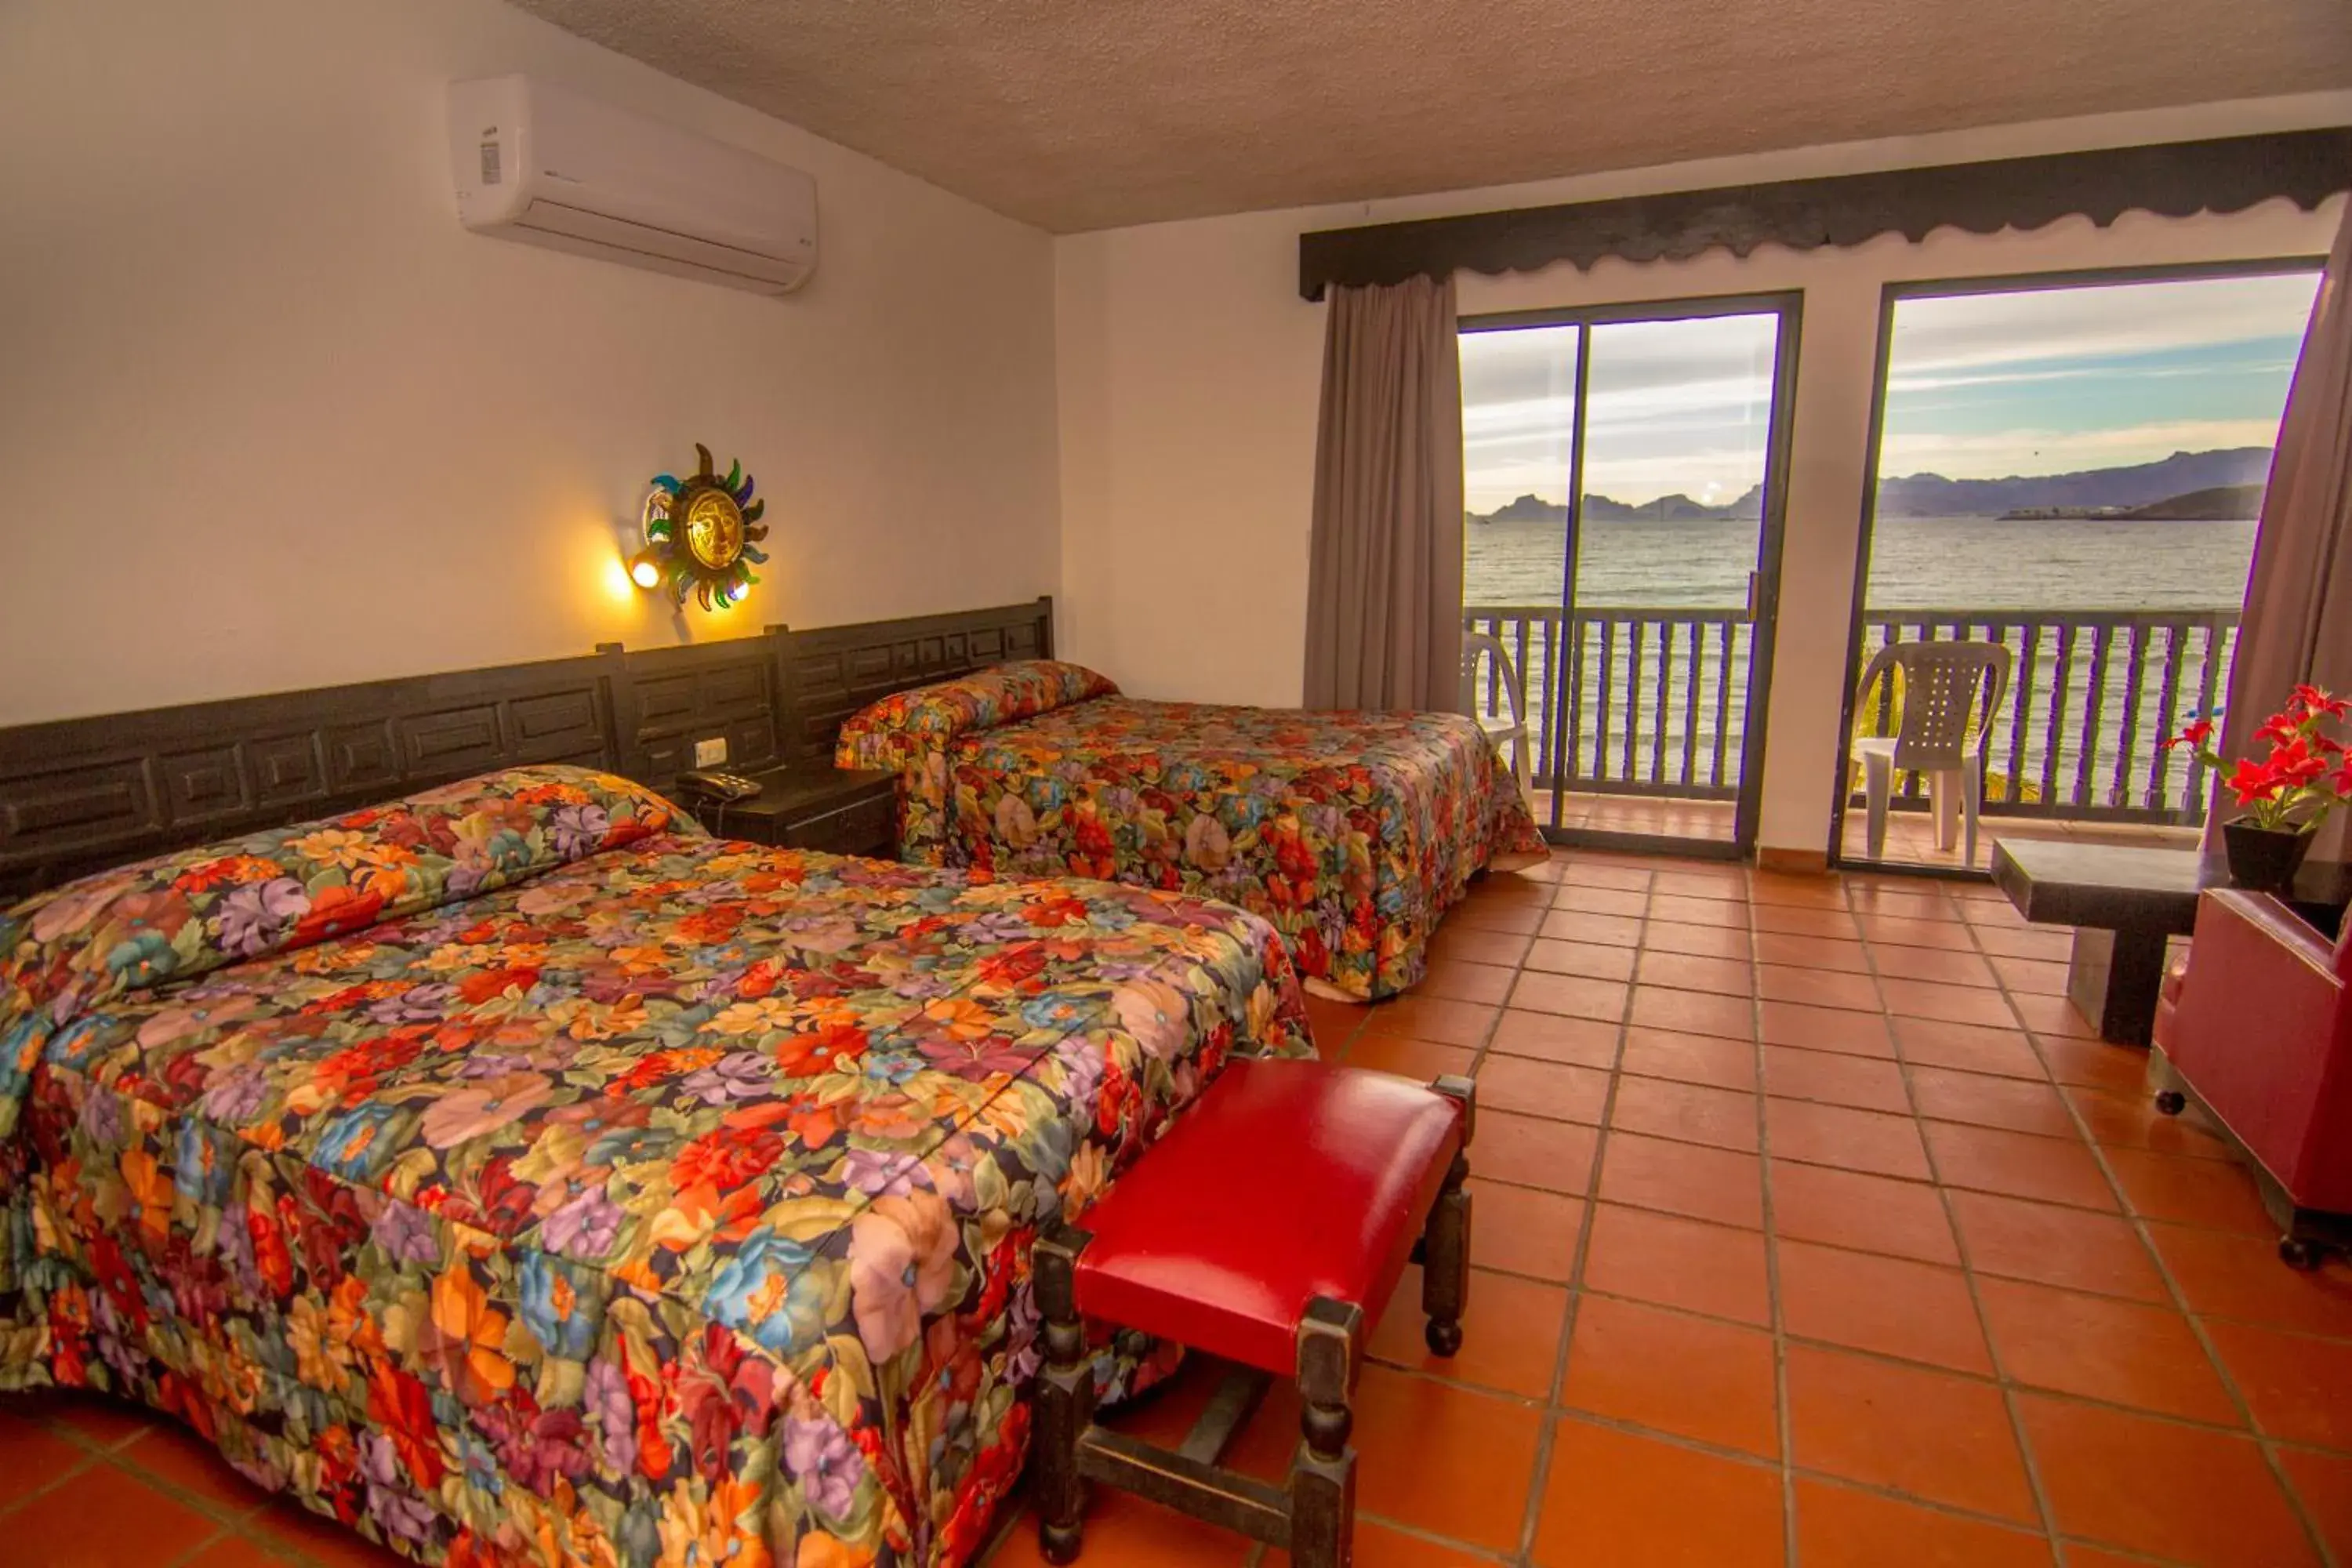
(1626, 699)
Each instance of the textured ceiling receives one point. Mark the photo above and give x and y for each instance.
(1079, 114)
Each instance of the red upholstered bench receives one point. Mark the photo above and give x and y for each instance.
(1268, 1228)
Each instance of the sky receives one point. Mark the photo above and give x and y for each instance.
(1979, 386)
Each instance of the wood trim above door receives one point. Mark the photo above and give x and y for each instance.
(2222, 175)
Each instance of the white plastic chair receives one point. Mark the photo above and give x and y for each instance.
(1940, 688)
(1500, 732)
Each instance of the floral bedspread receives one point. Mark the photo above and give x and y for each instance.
(520, 1175)
(1352, 832)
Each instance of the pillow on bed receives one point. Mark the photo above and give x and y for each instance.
(182, 914)
(897, 731)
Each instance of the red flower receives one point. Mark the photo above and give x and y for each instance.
(2280, 727)
(238, 868)
(2195, 734)
(271, 1259)
(336, 911)
(1014, 965)
(1118, 1101)
(1087, 832)
(1055, 910)
(654, 1453)
(2253, 782)
(711, 926)
(2296, 765)
(485, 984)
(727, 1157)
(2311, 700)
(806, 1055)
(402, 1408)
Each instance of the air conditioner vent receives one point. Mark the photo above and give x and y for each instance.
(540, 163)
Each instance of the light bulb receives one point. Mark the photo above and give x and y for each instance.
(645, 570)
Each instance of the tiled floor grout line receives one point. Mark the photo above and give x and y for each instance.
(117, 1456)
(245, 1525)
(1829, 1478)
(2027, 1459)
(1783, 1422)
(1547, 1435)
(1859, 1353)
(218, 1535)
(89, 1461)
(2053, 1536)
(1542, 1463)
(1556, 1413)
(2125, 1214)
(2196, 1323)
(1436, 1538)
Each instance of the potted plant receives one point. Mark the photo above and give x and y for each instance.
(2283, 796)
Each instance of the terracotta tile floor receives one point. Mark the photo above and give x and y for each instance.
(1836, 1240)
(1812, 1227)
(1910, 834)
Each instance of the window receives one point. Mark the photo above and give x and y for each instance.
(2073, 470)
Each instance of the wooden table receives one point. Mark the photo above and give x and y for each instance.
(2125, 903)
(813, 805)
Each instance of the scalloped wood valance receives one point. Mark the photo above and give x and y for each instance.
(2174, 179)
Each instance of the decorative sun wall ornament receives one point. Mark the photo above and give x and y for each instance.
(702, 535)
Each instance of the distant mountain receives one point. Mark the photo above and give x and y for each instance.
(1676, 508)
(1526, 508)
(2188, 479)
(2234, 503)
(2142, 484)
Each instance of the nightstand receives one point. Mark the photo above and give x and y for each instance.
(810, 805)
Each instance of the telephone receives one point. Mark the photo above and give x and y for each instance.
(719, 789)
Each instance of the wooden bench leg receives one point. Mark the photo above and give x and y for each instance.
(1446, 1238)
(1066, 1395)
(1323, 1475)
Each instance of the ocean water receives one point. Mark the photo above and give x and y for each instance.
(1943, 563)
(1681, 718)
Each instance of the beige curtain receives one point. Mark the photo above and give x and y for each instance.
(1384, 573)
(2298, 623)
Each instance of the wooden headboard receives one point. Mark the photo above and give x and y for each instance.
(78, 796)
(81, 794)
(833, 671)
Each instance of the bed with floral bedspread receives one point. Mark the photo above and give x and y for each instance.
(1353, 832)
(520, 1175)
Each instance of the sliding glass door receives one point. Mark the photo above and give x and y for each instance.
(1623, 472)
(2069, 467)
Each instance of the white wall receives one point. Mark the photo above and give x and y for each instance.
(1189, 370)
(269, 418)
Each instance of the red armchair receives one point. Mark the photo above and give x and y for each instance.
(2257, 1025)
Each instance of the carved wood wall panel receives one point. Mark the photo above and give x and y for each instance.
(673, 697)
(81, 794)
(831, 672)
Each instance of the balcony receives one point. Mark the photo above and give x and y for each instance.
(1638, 715)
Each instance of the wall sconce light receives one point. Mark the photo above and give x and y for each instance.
(702, 535)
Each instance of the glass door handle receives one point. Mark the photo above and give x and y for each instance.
(1755, 595)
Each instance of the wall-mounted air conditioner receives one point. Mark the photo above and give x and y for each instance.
(541, 164)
